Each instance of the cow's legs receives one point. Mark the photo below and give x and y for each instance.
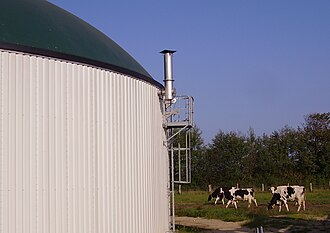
(301, 202)
(299, 207)
(235, 204)
(255, 202)
(249, 203)
(286, 206)
(304, 205)
(216, 200)
(228, 203)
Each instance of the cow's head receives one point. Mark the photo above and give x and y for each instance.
(275, 201)
(272, 189)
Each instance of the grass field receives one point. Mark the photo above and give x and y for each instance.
(316, 217)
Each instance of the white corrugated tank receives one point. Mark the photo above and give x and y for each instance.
(81, 149)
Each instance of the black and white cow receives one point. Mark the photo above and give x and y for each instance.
(279, 188)
(236, 194)
(273, 189)
(218, 194)
(283, 194)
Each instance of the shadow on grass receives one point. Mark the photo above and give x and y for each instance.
(186, 229)
(288, 224)
(269, 224)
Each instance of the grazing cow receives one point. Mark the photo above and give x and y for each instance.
(218, 194)
(235, 194)
(279, 188)
(273, 189)
(283, 194)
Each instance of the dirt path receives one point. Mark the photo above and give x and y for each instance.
(213, 225)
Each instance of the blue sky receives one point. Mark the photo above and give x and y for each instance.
(248, 64)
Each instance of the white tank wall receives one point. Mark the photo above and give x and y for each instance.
(81, 150)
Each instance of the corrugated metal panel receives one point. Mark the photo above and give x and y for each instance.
(81, 149)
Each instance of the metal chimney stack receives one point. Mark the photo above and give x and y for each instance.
(168, 74)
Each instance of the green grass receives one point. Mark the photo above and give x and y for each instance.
(229, 215)
(194, 204)
(185, 229)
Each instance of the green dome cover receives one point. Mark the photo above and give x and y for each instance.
(39, 27)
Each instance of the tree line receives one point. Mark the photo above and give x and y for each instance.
(295, 156)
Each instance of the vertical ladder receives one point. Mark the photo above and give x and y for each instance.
(178, 122)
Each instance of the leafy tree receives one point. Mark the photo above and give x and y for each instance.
(198, 159)
(295, 156)
(250, 158)
(227, 152)
(280, 147)
(264, 166)
(314, 146)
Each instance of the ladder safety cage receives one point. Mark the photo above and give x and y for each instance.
(179, 113)
(178, 120)
(181, 154)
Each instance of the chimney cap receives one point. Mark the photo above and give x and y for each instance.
(167, 51)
